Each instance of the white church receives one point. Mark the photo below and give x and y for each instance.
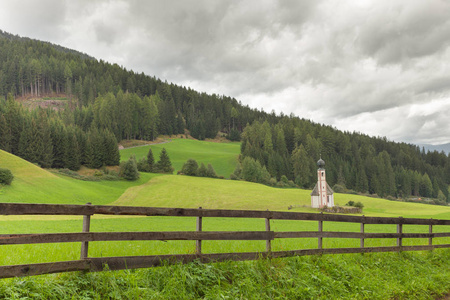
(322, 194)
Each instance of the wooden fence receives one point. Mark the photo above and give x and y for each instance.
(86, 263)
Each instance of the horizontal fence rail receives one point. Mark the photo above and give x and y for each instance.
(93, 264)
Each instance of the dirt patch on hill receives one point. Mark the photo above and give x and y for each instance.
(53, 101)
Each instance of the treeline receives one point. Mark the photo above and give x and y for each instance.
(40, 136)
(291, 147)
(34, 68)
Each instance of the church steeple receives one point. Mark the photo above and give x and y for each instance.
(322, 195)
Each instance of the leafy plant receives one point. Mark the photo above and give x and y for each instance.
(6, 176)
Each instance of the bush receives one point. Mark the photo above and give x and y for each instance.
(6, 176)
(233, 176)
(337, 188)
(350, 203)
(128, 169)
(190, 167)
(143, 165)
(210, 172)
(202, 171)
(273, 181)
(359, 205)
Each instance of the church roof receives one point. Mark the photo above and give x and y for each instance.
(315, 191)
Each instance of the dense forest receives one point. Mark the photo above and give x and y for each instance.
(107, 103)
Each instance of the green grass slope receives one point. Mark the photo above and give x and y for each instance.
(191, 192)
(222, 156)
(32, 184)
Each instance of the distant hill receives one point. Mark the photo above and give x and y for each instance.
(13, 37)
(439, 148)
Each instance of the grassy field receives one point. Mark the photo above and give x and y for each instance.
(32, 184)
(35, 185)
(222, 156)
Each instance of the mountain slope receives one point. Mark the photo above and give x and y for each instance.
(32, 184)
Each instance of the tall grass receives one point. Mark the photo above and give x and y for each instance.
(420, 275)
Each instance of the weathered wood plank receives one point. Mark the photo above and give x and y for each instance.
(61, 209)
(135, 262)
(9, 239)
(44, 268)
(353, 235)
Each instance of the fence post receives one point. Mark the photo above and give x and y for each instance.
(362, 231)
(320, 231)
(430, 230)
(400, 231)
(198, 243)
(268, 242)
(86, 228)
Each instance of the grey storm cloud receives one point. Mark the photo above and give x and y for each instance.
(366, 66)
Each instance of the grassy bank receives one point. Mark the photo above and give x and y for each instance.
(421, 275)
(222, 156)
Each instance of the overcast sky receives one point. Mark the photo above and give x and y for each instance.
(377, 67)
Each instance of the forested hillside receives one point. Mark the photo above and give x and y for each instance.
(107, 103)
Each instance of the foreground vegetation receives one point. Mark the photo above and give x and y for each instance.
(376, 276)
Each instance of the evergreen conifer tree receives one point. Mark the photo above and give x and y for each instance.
(150, 160)
(164, 164)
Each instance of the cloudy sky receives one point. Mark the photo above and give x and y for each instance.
(377, 67)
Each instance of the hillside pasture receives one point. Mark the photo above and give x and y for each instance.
(222, 156)
(33, 184)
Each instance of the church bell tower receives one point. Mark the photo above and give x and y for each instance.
(322, 194)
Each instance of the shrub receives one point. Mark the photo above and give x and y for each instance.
(350, 203)
(202, 171)
(143, 165)
(128, 169)
(190, 167)
(273, 181)
(337, 188)
(237, 171)
(98, 173)
(210, 172)
(359, 205)
(6, 176)
(233, 177)
(284, 179)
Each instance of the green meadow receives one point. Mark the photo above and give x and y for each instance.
(222, 156)
(35, 185)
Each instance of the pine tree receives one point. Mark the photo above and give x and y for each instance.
(5, 135)
(150, 160)
(95, 152)
(111, 149)
(72, 153)
(59, 140)
(44, 142)
(164, 165)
